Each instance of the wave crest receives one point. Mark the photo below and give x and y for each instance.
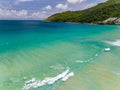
(34, 83)
(114, 43)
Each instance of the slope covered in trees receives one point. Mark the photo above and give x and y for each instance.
(96, 14)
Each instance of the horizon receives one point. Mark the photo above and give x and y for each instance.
(40, 9)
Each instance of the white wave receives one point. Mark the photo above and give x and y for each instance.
(67, 76)
(33, 83)
(96, 55)
(88, 60)
(114, 43)
(24, 78)
(80, 61)
(30, 81)
(107, 49)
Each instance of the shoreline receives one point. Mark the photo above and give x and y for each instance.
(84, 23)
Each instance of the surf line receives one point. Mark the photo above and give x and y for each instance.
(113, 43)
(34, 83)
(94, 56)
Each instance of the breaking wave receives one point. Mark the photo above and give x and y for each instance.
(34, 83)
(114, 43)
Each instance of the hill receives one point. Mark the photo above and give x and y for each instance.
(107, 12)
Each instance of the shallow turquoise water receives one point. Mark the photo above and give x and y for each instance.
(36, 49)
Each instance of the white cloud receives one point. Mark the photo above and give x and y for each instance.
(90, 5)
(48, 7)
(22, 14)
(23, 0)
(39, 15)
(61, 6)
(75, 1)
(12, 13)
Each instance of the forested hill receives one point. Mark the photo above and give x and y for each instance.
(109, 11)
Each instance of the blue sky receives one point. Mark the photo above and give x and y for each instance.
(40, 9)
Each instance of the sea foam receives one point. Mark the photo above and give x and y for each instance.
(107, 49)
(34, 83)
(114, 43)
(67, 76)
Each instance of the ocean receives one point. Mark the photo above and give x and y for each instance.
(37, 55)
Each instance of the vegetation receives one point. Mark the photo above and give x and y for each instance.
(96, 14)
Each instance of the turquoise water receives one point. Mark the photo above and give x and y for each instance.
(38, 50)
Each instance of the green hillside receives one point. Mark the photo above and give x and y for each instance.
(98, 13)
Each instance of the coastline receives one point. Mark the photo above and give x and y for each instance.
(83, 23)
